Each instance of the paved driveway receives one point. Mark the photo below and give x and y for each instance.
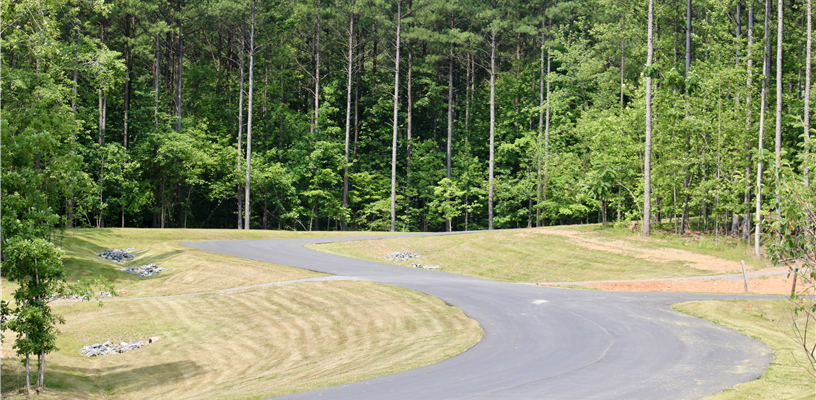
(540, 343)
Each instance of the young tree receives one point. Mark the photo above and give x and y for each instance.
(36, 265)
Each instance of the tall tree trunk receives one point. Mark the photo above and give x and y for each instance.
(356, 112)
(180, 69)
(129, 24)
(746, 220)
(71, 199)
(688, 36)
(623, 57)
(493, 35)
(249, 116)
(103, 100)
(766, 68)
(719, 170)
(468, 96)
(395, 122)
(344, 225)
(807, 91)
(28, 373)
(409, 129)
(103, 97)
(240, 224)
(281, 118)
(41, 370)
(539, 199)
(547, 116)
(450, 118)
(778, 145)
(317, 74)
(156, 83)
(647, 157)
(685, 223)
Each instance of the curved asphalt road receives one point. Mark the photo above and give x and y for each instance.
(540, 342)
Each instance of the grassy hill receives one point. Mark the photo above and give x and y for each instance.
(248, 343)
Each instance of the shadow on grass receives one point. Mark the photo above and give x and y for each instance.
(79, 382)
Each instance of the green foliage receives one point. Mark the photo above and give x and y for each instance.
(793, 237)
(36, 265)
(62, 168)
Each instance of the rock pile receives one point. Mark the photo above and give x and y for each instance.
(71, 296)
(144, 270)
(400, 256)
(431, 267)
(120, 256)
(109, 347)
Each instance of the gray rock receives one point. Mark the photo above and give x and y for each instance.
(400, 256)
(118, 255)
(430, 267)
(144, 270)
(107, 348)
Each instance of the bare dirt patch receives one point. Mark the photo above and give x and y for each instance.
(778, 284)
(631, 249)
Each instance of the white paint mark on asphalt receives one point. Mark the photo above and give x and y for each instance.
(540, 301)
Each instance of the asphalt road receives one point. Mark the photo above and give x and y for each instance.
(540, 343)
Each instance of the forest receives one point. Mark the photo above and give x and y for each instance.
(417, 115)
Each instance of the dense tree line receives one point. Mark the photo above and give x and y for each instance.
(404, 115)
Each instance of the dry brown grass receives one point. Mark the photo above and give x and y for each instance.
(248, 343)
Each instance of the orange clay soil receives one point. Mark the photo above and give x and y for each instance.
(777, 284)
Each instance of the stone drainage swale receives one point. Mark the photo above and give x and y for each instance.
(108, 348)
(144, 270)
(120, 256)
(401, 256)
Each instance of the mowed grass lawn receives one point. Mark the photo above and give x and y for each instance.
(188, 270)
(248, 343)
(514, 256)
(768, 321)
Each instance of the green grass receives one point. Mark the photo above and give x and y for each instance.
(768, 321)
(516, 256)
(250, 343)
